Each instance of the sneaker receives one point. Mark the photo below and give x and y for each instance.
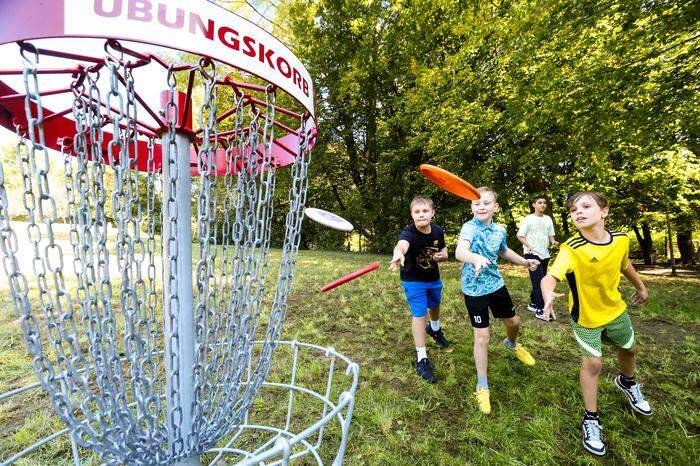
(521, 353)
(438, 336)
(425, 370)
(532, 308)
(593, 436)
(635, 397)
(540, 315)
(483, 400)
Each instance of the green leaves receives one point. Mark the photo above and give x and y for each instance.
(527, 96)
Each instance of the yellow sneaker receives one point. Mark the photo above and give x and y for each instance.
(482, 400)
(523, 355)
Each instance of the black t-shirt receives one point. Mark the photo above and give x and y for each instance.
(419, 265)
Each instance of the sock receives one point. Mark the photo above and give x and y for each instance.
(482, 382)
(435, 325)
(508, 343)
(591, 416)
(421, 353)
(627, 382)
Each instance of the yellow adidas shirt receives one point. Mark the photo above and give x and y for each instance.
(593, 272)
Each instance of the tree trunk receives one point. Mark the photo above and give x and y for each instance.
(512, 229)
(565, 224)
(564, 218)
(644, 240)
(684, 239)
(646, 231)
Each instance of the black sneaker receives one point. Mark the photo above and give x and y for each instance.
(438, 336)
(592, 433)
(425, 370)
(532, 308)
(540, 315)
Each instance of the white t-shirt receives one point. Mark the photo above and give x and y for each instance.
(537, 231)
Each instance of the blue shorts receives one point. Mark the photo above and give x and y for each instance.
(422, 296)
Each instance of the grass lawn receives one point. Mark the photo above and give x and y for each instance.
(400, 420)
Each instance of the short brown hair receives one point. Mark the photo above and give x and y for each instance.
(487, 189)
(420, 199)
(599, 199)
(537, 198)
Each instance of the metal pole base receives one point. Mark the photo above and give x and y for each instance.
(191, 461)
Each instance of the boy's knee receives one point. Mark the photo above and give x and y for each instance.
(592, 365)
(628, 351)
(482, 337)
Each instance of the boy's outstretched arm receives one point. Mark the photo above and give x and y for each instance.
(641, 295)
(515, 258)
(398, 258)
(463, 254)
(547, 285)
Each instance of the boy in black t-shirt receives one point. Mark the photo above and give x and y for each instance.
(421, 246)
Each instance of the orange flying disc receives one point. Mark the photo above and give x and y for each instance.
(450, 182)
(350, 276)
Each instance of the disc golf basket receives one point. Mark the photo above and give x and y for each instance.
(148, 309)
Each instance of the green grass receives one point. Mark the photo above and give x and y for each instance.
(401, 420)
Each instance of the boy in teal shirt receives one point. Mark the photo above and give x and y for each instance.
(481, 243)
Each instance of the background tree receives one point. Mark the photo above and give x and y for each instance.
(526, 96)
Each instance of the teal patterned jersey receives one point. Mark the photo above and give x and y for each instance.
(488, 241)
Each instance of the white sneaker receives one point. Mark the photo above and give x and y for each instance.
(635, 397)
(593, 437)
(532, 308)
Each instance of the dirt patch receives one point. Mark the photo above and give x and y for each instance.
(665, 331)
(656, 270)
(660, 330)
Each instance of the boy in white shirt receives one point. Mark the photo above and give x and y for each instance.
(537, 234)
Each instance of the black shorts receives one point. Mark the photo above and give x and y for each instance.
(478, 307)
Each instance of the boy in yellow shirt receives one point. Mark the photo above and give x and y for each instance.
(592, 262)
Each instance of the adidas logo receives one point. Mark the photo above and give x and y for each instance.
(594, 259)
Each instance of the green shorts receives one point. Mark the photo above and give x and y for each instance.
(619, 333)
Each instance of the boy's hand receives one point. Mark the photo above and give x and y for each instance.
(555, 243)
(440, 256)
(640, 297)
(396, 261)
(532, 264)
(479, 263)
(549, 305)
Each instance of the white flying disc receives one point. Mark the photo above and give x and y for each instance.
(328, 219)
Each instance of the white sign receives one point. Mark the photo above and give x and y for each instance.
(195, 26)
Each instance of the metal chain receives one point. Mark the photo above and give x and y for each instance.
(96, 349)
(172, 308)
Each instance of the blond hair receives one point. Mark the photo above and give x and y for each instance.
(487, 189)
(420, 199)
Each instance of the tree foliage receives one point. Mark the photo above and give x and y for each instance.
(526, 96)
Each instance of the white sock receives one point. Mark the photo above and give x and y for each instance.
(421, 353)
(435, 325)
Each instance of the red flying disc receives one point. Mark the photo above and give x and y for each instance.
(350, 276)
(450, 182)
